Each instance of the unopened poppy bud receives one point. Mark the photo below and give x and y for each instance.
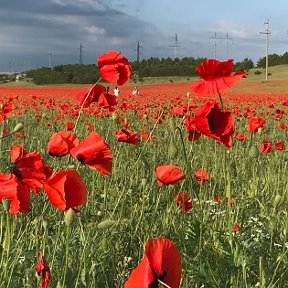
(188, 94)
(260, 129)
(277, 200)
(44, 224)
(106, 224)
(253, 152)
(99, 213)
(172, 150)
(68, 218)
(6, 204)
(143, 181)
(19, 127)
(1, 106)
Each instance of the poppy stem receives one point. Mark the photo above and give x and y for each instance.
(184, 149)
(163, 284)
(66, 255)
(221, 101)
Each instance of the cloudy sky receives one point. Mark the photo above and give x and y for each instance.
(31, 30)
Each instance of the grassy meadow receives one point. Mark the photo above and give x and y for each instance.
(235, 235)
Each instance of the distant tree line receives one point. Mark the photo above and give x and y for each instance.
(152, 67)
(273, 60)
(71, 73)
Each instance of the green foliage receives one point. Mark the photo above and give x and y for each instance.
(77, 74)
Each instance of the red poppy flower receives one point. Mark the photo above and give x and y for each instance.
(90, 127)
(61, 143)
(168, 174)
(161, 262)
(240, 136)
(106, 100)
(92, 94)
(42, 268)
(95, 153)
(280, 146)
(184, 201)
(28, 167)
(114, 68)
(265, 147)
(255, 123)
(17, 193)
(5, 112)
(221, 199)
(236, 227)
(201, 176)
(69, 125)
(127, 136)
(66, 189)
(217, 77)
(193, 134)
(214, 123)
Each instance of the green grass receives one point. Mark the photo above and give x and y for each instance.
(105, 241)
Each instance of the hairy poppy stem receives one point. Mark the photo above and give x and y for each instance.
(221, 101)
(163, 284)
(184, 149)
(66, 255)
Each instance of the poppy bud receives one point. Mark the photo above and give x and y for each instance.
(99, 213)
(172, 151)
(68, 218)
(277, 200)
(143, 182)
(260, 129)
(44, 224)
(19, 127)
(106, 224)
(253, 152)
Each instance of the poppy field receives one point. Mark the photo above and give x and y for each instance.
(184, 185)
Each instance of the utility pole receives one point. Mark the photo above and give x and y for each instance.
(266, 32)
(80, 54)
(175, 46)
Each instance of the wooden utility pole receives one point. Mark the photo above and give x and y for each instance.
(266, 32)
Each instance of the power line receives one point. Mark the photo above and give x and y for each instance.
(266, 32)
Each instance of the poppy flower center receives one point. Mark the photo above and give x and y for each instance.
(155, 283)
(16, 172)
(80, 157)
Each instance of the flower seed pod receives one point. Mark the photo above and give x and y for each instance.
(6, 204)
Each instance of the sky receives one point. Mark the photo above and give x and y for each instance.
(36, 33)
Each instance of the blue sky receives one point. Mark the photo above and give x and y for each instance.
(32, 29)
